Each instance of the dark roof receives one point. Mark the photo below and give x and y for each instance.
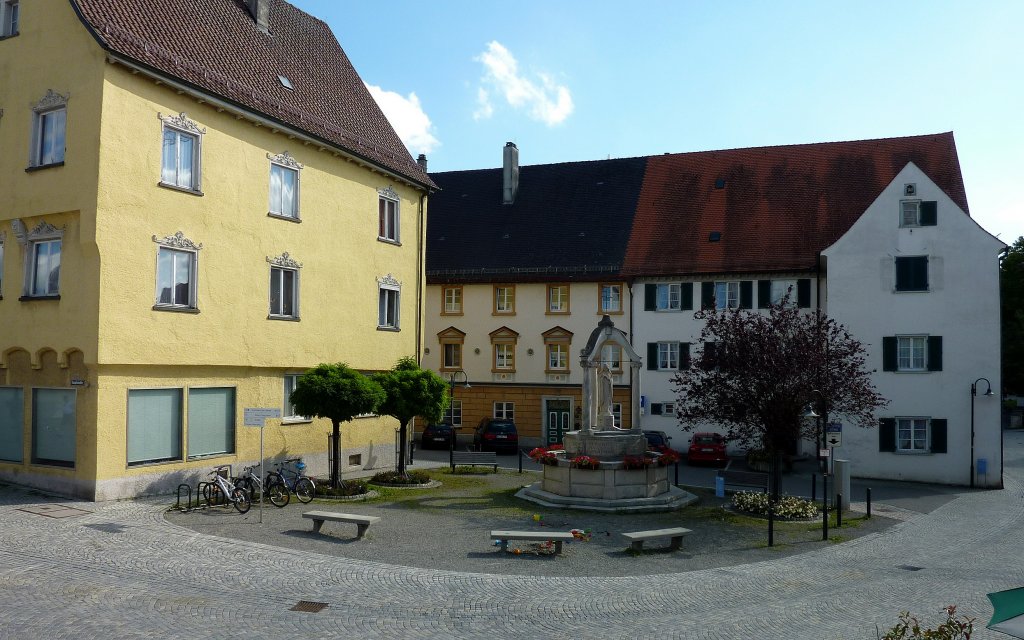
(569, 221)
(778, 207)
(216, 46)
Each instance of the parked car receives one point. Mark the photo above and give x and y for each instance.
(707, 447)
(657, 439)
(437, 436)
(496, 434)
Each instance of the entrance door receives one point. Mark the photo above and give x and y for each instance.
(557, 414)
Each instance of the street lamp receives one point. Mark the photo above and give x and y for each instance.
(974, 392)
(451, 408)
(819, 436)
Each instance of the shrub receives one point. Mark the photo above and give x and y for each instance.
(346, 488)
(954, 628)
(585, 462)
(394, 477)
(637, 462)
(786, 507)
(545, 456)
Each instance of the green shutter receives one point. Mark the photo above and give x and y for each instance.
(650, 297)
(684, 356)
(887, 434)
(746, 294)
(920, 266)
(803, 293)
(707, 295)
(764, 294)
(929, 213)
(652, 356)
(935, 353)
(889, 359)
(686, 296)
(938, 435)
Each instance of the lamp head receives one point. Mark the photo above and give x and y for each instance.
(989, 392)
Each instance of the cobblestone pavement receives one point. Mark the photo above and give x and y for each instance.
(120, 571)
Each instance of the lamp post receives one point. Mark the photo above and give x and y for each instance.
(974, 392)
(451, 408)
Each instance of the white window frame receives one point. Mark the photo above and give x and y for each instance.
(280, 274)
(611, 355)
(668, 408)
(52, 289)
(389, 218)
(453, 414)
(558, 356)
(278, 207)
(52, 109)
(912, 353)
(612, 302)
(910, 213)
(181, 126)
(558, 298)
(453, 300)
(455, 350)
(42, 233)
(913, 426)
(288, 413)
(505, 356)
(779, 289)
(669, 297)
(389, 303)
(731, 297)
(10, 19)
(505, 410)
(178, 244)
(505, 299)
(668, 356)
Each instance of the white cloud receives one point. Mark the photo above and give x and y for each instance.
(544, 100)
(406, 115)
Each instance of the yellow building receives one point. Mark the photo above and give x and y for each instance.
(198, 201)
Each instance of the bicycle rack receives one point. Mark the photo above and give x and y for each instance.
(177, 504)
(199, 492)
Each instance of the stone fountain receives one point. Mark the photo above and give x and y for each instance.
(610, 487)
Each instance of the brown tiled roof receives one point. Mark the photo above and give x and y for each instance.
(779, 206)
(216, 46)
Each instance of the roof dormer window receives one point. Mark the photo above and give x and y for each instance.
(286, 83)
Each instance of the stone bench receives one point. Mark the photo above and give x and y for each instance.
(362, 522)
(754, 479)
(557, 537)
(473, 458)
(637, 538)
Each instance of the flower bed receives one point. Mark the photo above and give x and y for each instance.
(585, 462)
(393, 478)
(637, 462)
(788, 507)
(546, 455)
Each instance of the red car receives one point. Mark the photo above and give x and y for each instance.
(707, 447)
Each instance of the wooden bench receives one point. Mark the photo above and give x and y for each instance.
(637, 538)
(754, 479)
(557, 537)
(473, 458)
(362, 522)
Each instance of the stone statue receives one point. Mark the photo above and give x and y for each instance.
(605, 385)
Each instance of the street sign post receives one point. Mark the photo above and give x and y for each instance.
(834, 434)
(256, 417)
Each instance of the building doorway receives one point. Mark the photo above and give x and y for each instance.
(557, 419)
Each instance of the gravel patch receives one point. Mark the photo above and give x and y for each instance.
(448, 528)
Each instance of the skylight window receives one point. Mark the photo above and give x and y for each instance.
(286, 83)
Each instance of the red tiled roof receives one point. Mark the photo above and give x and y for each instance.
(779, 207)
(215, 45)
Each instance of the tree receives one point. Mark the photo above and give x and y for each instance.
(410, 392)
(337, 392)
(1011, 289)
(758, 373)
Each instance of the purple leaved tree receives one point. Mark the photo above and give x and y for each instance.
(758, 373)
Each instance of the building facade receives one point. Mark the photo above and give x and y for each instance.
(185, 229)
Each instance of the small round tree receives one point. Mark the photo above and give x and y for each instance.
(411, 391)
(339, 393)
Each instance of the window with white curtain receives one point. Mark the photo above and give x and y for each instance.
(284, 191)
(284, 293)
(175, 278)
(53, 427)
(181, 153)
(211, 421)
(12, 415)
(154, 425)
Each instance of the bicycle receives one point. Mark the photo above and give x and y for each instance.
(303, 487)
(276, 492)
(221, 491)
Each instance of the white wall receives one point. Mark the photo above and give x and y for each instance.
(961, 305)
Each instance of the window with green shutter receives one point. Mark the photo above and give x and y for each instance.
(912, 273)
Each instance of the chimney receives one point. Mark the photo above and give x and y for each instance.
(422, 161)
(260, 10)
(510, 173)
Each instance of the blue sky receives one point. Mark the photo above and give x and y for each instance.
(587, 80)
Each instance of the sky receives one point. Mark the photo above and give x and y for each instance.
(574, 80)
